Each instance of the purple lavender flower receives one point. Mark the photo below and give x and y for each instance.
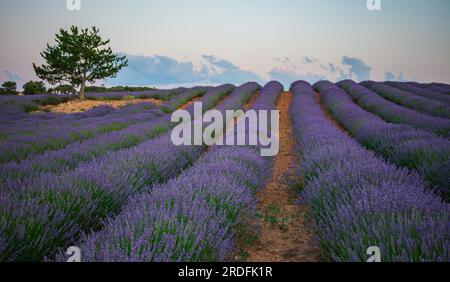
(192, 217)
(59, 135)
(84, 197)
(427, 93)
(394, 113)
(401, 144)
(410, 100)
(358, 200)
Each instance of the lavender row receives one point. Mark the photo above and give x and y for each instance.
(437, 87)
(16, 107)
(44, 118)
(401, 144)
(29, 127)
(393, 112)
(356, 199)
(72, 155)
(40, 120)
(412, 101)
(51, 211)
(155, 94)
(192, 217)
(34, 121)
(28, 124)
(59, 136)
(427, 93)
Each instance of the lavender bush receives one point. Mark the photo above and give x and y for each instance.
(412, 101)
(58, 136)
(32, 122)
(356, 199)
(394, 113)
(37, 123)
(74, 154)
(427, 93)
(28, 125)
(437, 87)
(401, 144)
(194, 216)
(14, 108)
(48, 211)
(147, 94)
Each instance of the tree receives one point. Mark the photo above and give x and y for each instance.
(34, 87)
(79, 56)
(61, 89)
(9, 87)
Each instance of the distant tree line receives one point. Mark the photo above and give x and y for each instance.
(8, 88)
(29, 88)
(38, 87)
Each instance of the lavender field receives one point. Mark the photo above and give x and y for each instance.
(360, 165)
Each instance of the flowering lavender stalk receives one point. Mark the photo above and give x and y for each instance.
(72, 155)
(28, 125)
(412, 101)
(37, 123)
(192, 217)
(427, 93)
(78, 201)
(156, 94)
(358, 200)
(34, 122)
(58, 136)
(401, 144)
(46, 118)
(394, 113)
(14, 108)
(437, 87)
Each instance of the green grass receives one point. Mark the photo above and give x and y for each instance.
(30, 107)
(116, 126)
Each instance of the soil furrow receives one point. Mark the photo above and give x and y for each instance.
(284, 235)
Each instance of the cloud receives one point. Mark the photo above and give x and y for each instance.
(10, 76)
(286, 76)
(357, 67)
(163, 70)
(227, 72)
(155, 70)
(332, 68)
(309, 60)
(343, 75)
(389, 76)
(283, 60)
(401, 78)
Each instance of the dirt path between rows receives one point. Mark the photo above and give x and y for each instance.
(328, 114)
(190, 102)
(75, 106)
(284, 236)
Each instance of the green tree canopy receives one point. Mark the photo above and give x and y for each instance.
(9, 87)
(34, 87)
(61, 89)
(79, 56)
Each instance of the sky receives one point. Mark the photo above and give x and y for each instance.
(188, 42)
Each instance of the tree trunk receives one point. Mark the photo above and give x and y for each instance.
(83, 86)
